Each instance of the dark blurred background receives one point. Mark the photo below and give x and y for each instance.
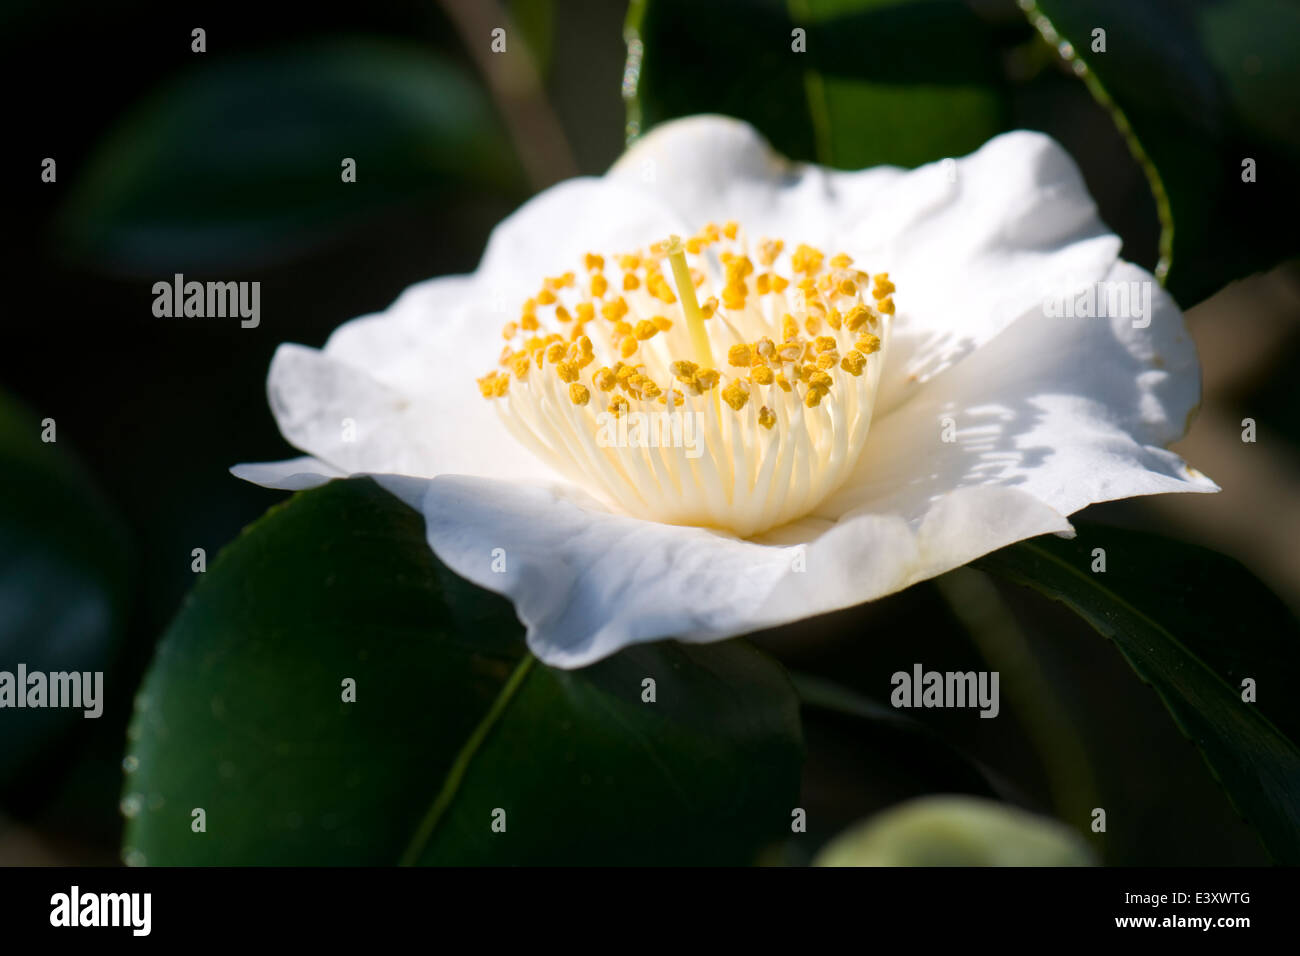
(447, 141)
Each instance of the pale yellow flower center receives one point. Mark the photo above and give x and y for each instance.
(735, 392)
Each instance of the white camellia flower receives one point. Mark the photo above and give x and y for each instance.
(714, 391)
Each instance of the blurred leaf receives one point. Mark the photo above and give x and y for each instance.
(1199, 86)
(242, 715)
(240, 160)
(889, 732)
(1193, 624)
(63, 577)
(956, 831)
(902, 82)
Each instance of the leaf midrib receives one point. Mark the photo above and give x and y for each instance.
(456, 775)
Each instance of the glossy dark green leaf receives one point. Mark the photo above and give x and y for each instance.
(63, 575)
(1195, 626)
(1199, 87)
(879, 81)
(242, 715)
(241, 160)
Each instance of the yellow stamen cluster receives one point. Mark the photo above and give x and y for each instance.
(793, 331)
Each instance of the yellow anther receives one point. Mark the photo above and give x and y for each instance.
(857, 317)
(736, 394)
(563, 314)
(568, 371)
(789, 327)
(618, 406)
(630, 281)
(733, 296)
(761, 375)
(824, 343)
(706, 378)
(882, 286)
(711, 232)
(579, 394)
(694, 245)
(627, 348)
(813, 324)
(522, 366)
(645, 329)
(834, 319)
(629, 262)
(529, 323)
(846, 287)
(763, 284)
(886, 306)
(730, 229)
(813, 397)
(766, 417)
(487, 384)
(683, 371)
(604, 379)
(555, 352)
(841, 261)
(546, 297)
(739, 355)
(662, 323)
(790, 351)
(768, 250)
(615, 309)
(806, 259)
(593, 262)
(649, 389)
(779, 283)
(659, 288)
(827, 360)
(783, 382)
(854, 362)
(709, 306)
(765, 348)
(599, 286)
(868, 344)
(586, 312)
(510, 331)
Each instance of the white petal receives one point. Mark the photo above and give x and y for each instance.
(294, 474)
(1070, 410)
(587, 582)
(714, 168)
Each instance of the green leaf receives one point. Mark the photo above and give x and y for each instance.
(1197, 87)
(242, 715)
(1194, 625)
(887, 731)
(63, 576)
(956, 831)
(903, 82)
(240, 160)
